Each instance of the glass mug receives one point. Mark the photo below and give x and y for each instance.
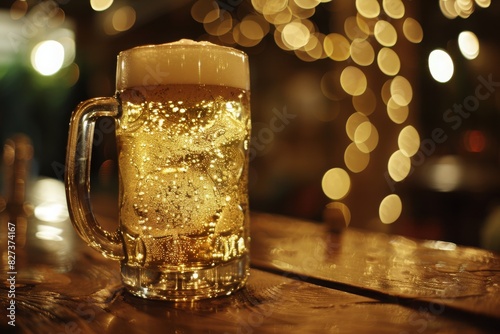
(182, 115)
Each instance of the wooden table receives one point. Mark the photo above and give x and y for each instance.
(304, 279)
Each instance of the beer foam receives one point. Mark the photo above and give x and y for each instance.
(182, 62)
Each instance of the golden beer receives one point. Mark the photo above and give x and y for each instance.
(183, 188)
(182, 113)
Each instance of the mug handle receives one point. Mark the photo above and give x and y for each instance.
(78, 156)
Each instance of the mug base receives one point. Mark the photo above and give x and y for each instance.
(186, 285)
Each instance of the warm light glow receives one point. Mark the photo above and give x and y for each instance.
(307, 4)
(413, 30)
(336, 183)
(73, 74)
(468, 44)
(330, 85)
(336, 46)
(123, 18)
(366, 137)
(463, 8)
(483, 3)
(219, 27)
(401, 91)
(50, 198)
(205, 12)
(251, 28)
(394, 8)
(399, 166)
(365, 103)
(353, 81)
(352, 29)
(385, 33)
(353, 122)
(47, 57)
(448, 9)
(398, 114)
(314, 47)
(390, 209)
(339, 211)
(281, 17)
(49, 233)
(446, 174)
(474, 141)
(409, 141)
(388, 61)
(368, 8)
(18, 9)
(295, 35)
(271, 7)
(67, 40)
(53, 212)
(440, 245)
(362, 52)
(441, 65)
(100, 5)
(365, 25)
(385, 92)
(356, 160)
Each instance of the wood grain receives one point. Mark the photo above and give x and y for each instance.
(66, 287)
(376, 264)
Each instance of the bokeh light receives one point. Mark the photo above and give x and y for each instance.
(365, 103)
(475, 141)
(330, 85)
(336, 46)
(385, 33)
(390, 209)
(355, 159)
(353, 122)
(401, 91)
(409, 141)
(47, 57)
(461, 8)
(219, 27)
(353, 30)
(385, 92)
(307, 4)
(388, 61)
(123, 18)
(204, 11)
(397, 113)
(100, 5)
(18, 9)
(446, 174)
(295, 35)
(483, 3)
(412, 30)
(336, 183)
(362, 52)
(353, 81)
(468, 44)
(368, 8)
(399, 166)
(361, 38)
(339, 213)
(394, 8)
(365, 25)
(440, 65)
(366, 137)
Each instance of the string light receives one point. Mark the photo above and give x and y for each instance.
(367, 38)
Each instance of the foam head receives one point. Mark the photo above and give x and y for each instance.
(182, 62)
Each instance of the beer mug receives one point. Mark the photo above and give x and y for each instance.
(182, 115)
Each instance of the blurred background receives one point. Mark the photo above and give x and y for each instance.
(381, 115)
